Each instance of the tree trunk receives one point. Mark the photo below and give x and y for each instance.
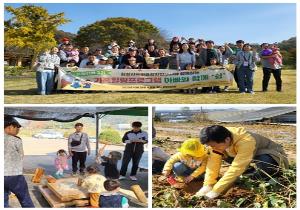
(33, 60)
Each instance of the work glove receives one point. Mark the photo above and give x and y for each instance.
(203, 191)
(212, 195)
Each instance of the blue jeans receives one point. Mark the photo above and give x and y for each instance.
(245, 73)
(264, 163)
(45, 81)
(18, 186)
(180, 169)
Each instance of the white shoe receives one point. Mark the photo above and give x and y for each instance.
(122, 177)
(133, 178)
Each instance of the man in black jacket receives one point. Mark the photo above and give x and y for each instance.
(132, 52)
(134, 149)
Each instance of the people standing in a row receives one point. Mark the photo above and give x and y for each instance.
(184, 54)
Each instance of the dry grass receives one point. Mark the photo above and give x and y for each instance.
(23, 91)
(246, 192)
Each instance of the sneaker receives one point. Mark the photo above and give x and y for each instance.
(122, 177)
(226, 89)
(252, 92)
(133, 178)
(56, 176)
(82, 173)
(74, 174)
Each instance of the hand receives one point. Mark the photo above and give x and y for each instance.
(188, 179)
(71, 154)
(193, 67)
(203, 191)
(212, 195)
(89, 152)
(166, 173)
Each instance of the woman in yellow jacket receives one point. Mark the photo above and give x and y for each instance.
(242, 147)
(188, 163)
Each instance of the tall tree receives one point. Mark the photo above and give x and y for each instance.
(32, 27)
(121, 29)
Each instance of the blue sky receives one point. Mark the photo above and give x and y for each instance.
(254, 23)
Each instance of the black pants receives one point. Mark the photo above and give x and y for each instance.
(81, 157)
(157, 166)
(267, 75)
(235, 76)
(265, 165)
(18, 186)
(127, 156)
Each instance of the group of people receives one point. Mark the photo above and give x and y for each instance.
(103, 189)
(201, 159)
(182, 55)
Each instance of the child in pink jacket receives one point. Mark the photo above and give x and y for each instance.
(61, 163)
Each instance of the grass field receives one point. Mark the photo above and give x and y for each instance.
(23, 91)
(277, 192)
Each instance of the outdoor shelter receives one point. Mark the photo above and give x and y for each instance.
(70, 114)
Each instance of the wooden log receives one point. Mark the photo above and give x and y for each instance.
(51, 179)
(66, 189)
(55, 202)
(139, 193)
(38, 174)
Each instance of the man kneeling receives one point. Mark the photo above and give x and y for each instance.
(238, 147)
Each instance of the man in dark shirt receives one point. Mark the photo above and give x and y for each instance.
(132, 52)
(163, 61)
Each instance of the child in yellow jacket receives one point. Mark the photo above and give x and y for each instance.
(188, 163)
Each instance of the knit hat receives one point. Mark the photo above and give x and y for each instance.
(193, 147)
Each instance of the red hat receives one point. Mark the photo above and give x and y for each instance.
(65, 39)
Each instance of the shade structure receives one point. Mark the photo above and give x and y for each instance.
(69, 114)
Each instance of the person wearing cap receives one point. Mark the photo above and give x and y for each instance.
(131, 44)
(134, 149)
(14, 180)
(188, 163)
(103, 63)
(89, 62)
(79, 148)
(239, 147)
(64, 41)
(132, 52)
